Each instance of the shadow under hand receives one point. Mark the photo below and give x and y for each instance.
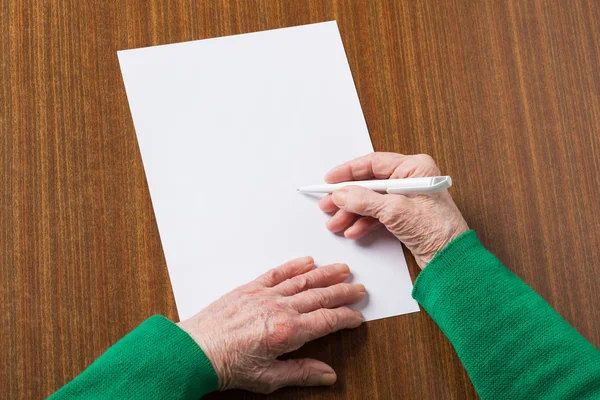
(380, 235)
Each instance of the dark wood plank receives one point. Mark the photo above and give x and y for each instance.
(504, 94)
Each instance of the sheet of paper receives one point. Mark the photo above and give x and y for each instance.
(228, 128)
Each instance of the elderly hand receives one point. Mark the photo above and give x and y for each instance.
(245, 331)
(424, 223)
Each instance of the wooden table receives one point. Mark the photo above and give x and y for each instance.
(504, 94)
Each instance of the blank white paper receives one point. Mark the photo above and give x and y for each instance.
(228, 128)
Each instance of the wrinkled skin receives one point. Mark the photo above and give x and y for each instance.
(424, 223)
(245, 331)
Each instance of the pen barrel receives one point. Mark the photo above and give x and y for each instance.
(392, 186)
(386, 185)
(376, 185)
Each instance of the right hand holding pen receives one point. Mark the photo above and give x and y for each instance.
(424, 223)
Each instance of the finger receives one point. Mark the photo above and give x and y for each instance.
(324, 321)
(362, 201)
(327, 205)
(362, 227)
(340, 221)
(286, 271)
(298, 372)
(374, 165)
(318, 277)
(330, 297)
(415, 166)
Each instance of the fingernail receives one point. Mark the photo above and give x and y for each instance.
(321, 379)
(339, 197)
(361, 288)
(328, 379)
(342, 268)
(307, 260)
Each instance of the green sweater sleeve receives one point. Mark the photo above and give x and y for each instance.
(156, 360)
(511, 342)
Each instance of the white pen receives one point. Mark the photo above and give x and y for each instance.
(430, 184)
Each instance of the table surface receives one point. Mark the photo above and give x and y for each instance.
(504, 94)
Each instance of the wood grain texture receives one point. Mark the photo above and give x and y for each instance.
(504, 94)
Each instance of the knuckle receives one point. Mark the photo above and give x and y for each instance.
(426, 158)
(428, 164)
(325, 272)
(330, 319)
(281, 330)
(381, 160)
(434, 170)
(382, 156)
(300, 283)
(273, 276)
(306, 372)
(323, 299)
(348, 289)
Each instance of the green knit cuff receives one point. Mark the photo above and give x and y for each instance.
(180, 356)
(155, 360)
(191, 355)
(445, 266)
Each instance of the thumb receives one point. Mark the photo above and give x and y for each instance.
(300, 372)
(360, 200)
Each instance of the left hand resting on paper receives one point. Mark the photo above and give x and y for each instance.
(245, 331)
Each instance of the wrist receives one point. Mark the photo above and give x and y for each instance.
(440, 242)
(461, 253)
(209, 348)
